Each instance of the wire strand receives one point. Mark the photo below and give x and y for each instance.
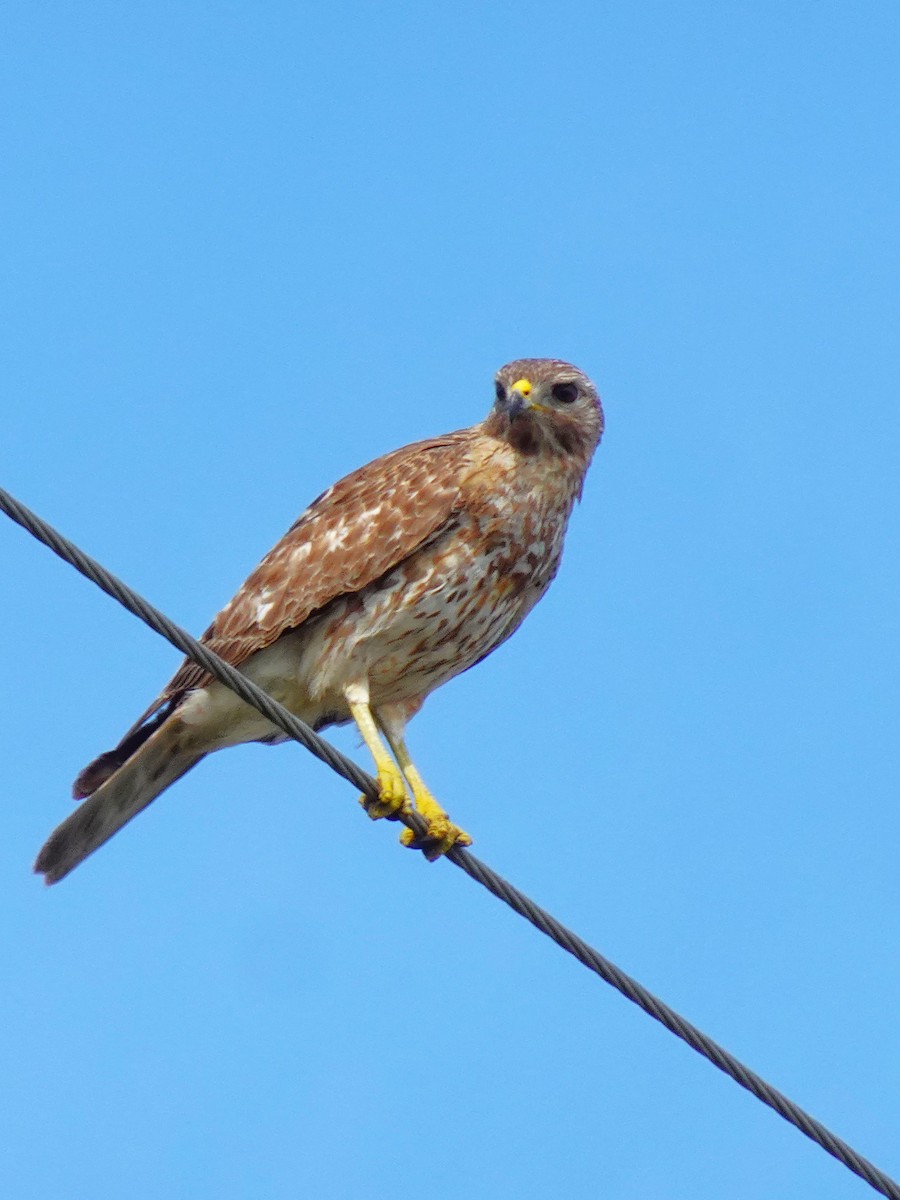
(464, 859)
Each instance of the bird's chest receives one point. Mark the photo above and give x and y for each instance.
(450, 603)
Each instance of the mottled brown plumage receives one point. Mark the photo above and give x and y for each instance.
(398, 577)
(350, 536)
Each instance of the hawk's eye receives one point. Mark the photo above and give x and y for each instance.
(500, 390)
(565, 393)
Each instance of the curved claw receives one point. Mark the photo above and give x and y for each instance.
(392, 798)
(442, 835)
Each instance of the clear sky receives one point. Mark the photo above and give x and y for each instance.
(245, 248)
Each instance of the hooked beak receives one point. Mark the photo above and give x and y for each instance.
(517, 399)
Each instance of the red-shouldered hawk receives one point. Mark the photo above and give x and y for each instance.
(402, 575)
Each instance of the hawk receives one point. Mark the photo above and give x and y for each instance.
(398, 577)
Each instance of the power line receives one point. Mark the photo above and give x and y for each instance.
(479, 871)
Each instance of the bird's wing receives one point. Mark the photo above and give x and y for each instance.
(355, 532)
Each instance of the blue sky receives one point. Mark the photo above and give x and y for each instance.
(247, 247)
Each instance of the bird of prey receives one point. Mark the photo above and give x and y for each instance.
(398, 577)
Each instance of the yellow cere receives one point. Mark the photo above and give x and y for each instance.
(523, 386)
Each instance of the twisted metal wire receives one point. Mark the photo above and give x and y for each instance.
(464, 859)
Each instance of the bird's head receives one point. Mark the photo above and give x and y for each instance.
(545, 405)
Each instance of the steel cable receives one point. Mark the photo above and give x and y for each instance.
(477, 870)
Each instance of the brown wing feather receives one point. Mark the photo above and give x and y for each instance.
(355, 532)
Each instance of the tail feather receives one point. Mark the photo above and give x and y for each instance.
(105, 765)
(165, 756)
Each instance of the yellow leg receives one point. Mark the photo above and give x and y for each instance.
(442, 834)
(392, 797)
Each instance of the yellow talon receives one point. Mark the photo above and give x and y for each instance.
(442, 835)
(392, 798)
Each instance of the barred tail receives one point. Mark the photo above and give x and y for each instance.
(164, 757)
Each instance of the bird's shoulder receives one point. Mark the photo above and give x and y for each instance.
(353, 533)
